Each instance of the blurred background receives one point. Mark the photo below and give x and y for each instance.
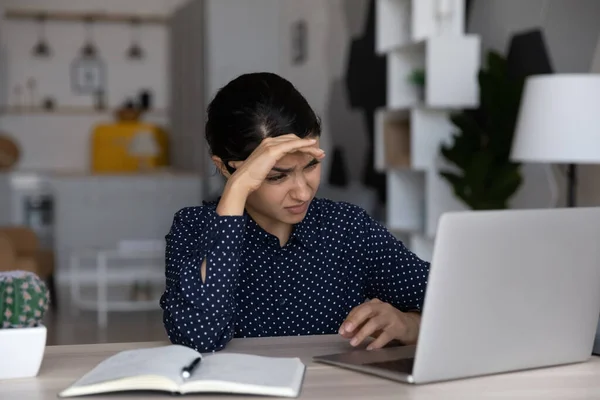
(102, 112)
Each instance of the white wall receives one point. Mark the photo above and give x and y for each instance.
(241, 36)
(496, 20)
(60, 141)
(249, 36)
(348, 127)
(569, 26)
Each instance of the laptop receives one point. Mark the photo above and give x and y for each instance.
(508, 290)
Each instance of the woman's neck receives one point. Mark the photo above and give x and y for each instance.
(279, 229)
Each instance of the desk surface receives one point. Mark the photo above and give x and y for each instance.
(62, 365)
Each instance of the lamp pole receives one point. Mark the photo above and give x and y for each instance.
(572, 185)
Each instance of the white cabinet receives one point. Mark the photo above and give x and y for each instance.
(426, 37)
(402, 22)
(450, 65)
(99, 211)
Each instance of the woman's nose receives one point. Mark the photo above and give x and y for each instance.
(301, 190)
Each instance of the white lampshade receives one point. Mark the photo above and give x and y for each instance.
(559, 120)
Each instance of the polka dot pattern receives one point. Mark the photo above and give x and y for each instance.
(336, 258)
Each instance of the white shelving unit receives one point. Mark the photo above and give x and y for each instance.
(425, 35)
(405, 22)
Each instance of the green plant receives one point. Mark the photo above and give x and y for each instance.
(24, 299)
(417, 77)
(481, 172)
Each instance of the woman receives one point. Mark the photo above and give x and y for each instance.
(270, 259)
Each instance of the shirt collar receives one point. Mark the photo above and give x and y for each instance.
(306, 232)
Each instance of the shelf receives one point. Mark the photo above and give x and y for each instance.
(430, 128)
(426, 36)
(451, 65)
(402, 22)
(392, 140)
(406, 200)
(393, 24)
(401, 93)
(67, 16)
(410, 139)
(67, 111)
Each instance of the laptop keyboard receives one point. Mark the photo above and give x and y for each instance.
(402, 365)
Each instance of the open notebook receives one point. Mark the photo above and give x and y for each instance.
(160, 369)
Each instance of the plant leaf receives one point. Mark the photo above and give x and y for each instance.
(480, 150)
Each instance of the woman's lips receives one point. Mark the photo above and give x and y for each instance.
(299, 209)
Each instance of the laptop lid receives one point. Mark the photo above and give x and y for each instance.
(510, 290)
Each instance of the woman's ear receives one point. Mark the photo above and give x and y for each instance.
(220, 166)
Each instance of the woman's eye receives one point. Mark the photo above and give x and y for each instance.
(311, 166)
(275, 178)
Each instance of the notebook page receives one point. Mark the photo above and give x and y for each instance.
(249, 370)
(164, 361)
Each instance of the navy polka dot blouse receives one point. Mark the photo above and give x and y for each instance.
(335, 259)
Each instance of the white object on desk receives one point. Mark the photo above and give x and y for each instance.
(152, 271)
(216, 373)
(21, 352)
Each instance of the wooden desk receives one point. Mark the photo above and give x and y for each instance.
(62, 365)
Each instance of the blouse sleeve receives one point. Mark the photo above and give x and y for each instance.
(395, 275)
(200, 314)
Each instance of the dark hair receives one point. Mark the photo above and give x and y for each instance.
(253, 107)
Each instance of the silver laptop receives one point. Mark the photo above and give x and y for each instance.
(508, 290)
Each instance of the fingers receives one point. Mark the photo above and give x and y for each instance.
(313, 151)
(350, 334)
(281, 145)
(373, 325)
(279, 149)
(288, 136)
(357, 316)
(236, 164)
(275, 141)
(383, 339)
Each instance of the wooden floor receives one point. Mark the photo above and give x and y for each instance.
(65, 327)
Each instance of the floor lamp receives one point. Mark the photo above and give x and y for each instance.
(559, 123)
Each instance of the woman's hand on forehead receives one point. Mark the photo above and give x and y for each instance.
(251, 172)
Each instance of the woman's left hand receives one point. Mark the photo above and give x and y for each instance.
(382, 321)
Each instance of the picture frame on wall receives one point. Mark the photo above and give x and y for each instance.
(299, 42)
(88, 75)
